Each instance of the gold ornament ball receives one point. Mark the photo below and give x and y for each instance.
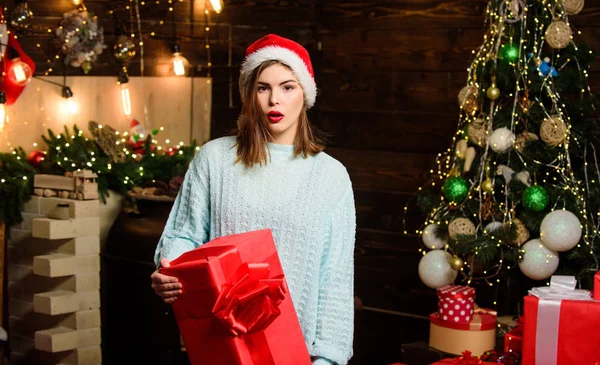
(487, 185)
(461, 226)
(558, 34)
(456, 263)
(493, 92)
(573, 7)
(553, 130)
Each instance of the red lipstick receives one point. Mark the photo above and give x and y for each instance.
(274, 116)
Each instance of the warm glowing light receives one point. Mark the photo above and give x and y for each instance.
(70, 106)
(2, 116)
(126, 99)
(180, 64)
(216, 4)
(77, 2)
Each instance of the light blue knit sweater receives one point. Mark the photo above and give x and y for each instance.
(308, 203)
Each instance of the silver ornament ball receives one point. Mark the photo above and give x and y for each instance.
(539, 262)
(560, 230)
(435, 270)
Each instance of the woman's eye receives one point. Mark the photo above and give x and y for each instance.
(262, 88)
(288, 87)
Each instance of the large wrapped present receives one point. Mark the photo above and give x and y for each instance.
(465, 359)
(235, 308)
(476, 336)
(561, 325)
(456, 303)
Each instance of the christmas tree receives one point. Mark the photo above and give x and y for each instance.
(518, 191)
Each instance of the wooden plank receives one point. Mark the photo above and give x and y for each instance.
(390, 91)
(384, 211)
(432, 49)
(414, 132)
(382, 170)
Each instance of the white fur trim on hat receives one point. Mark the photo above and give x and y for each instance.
(287, 57)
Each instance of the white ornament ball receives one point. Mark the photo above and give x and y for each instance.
(430, 240)
(501, 140)
(539, 262)
(560, 230)
(493, 227)
(435, 270)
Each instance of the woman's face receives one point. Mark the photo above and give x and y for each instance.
(281, 99)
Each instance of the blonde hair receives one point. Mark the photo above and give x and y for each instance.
(253, 133)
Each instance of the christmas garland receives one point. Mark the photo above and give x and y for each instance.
(147, 167)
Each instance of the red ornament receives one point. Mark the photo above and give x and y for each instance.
(13, 87)
(171, 151)
(36, 157)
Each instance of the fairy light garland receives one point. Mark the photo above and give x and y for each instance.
(560, 170)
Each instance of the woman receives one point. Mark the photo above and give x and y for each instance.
(273, 174)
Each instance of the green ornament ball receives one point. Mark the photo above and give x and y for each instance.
(535, 198)
(455, 189)
(510, 52)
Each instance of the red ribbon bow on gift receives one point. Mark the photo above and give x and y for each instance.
(466, 359)
(249, 302)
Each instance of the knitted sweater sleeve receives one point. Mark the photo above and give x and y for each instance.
(188, 225)
(335, 317)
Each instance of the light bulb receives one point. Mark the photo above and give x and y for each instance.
(69, 104)
(126, 99)
(20, 73)
(179, 64)
(77, 2)
(216, 4)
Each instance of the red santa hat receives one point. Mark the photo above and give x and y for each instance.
(286, 51)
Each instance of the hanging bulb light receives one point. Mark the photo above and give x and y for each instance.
(125, 95)
(19, 72)
(2, 110)
(217, 6)
(70, 106)
(77, 2)
(179, 64)
(21, 16)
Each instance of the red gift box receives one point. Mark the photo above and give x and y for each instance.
(456, 303)
(563, 332)
(235, 308)
(513, 340)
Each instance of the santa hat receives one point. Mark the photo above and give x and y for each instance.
(286, 51)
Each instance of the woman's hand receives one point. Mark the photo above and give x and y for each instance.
(166, 287)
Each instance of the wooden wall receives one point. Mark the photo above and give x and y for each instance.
(388, 74)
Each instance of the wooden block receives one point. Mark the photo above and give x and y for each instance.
(57, 229)
(20, 308)
(18, 256)
(54, 182)
(81, 246)
(56, 302)
(27, 220)
(32, 322)
(83, 356)
(27, 288)
(58, 264)
(32, 206)
(21, 344)
(17, 236)
(82, 320)
(19, 272)
(63, 339)
(88, 300)
(77, 208)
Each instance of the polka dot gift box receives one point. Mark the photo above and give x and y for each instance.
(456, 303)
